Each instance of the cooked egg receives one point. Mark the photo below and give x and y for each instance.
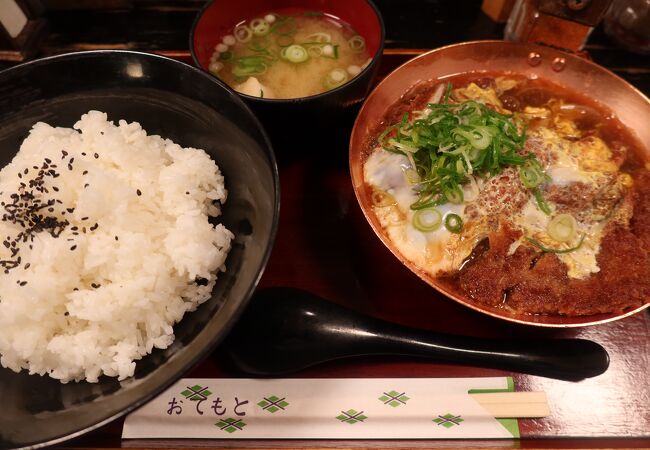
(570, 161)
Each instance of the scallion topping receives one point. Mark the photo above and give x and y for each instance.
(319, 37)
(541, 202)
(295, 53)
(336, 78)
(357, 44)
(251, 65)
(454, 194)
(545, 249)
(453, 223)
(260, 27)
(452, 142)
(427, 220)
(531, 174)
(243, 33)
(562, 228)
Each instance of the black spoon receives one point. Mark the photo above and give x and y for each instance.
(285, 330)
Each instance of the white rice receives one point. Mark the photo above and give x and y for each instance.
(81, 305)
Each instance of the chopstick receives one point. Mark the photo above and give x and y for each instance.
(514, 404)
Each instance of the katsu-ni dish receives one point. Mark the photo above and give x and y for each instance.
(109, 239)
(514, 193)
(289, 53)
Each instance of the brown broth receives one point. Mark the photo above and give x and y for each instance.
(531, 282)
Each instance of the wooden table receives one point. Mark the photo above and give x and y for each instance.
(324, 245)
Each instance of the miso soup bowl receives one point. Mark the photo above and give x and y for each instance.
(288, 121)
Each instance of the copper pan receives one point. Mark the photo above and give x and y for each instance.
(566, 70)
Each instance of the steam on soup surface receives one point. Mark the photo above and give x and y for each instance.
(289, 54)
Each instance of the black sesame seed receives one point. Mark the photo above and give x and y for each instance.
(27, 265)
(139, 192)
(84, 172)
(96, 156)
(116, 238)
(95, 285)
(83, 153)
(48, 160)
(73, 248)
(86, 185)
(23, 283)
(84, 218)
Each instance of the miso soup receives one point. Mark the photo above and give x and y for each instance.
(289, 54)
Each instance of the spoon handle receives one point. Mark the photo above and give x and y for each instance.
(285, 330)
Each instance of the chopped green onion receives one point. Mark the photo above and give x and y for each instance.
(250, 65)
(426, 220)
(243, 33)
(531, 174)
(545, 249)
(295, 53)
(478, 137)
(313, 13)
(541, 203)
(242, 72)
(562, 228)
(411, 176)
(322, 38)
(336, 78)
(454, 194)
(453, 223)
(357, 44)
(452, 142)
(315, 50)
(260, 27)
